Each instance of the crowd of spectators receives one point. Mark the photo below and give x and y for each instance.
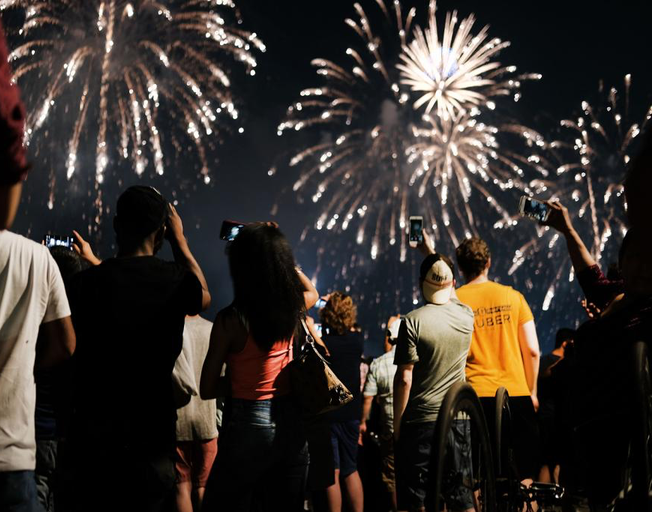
(116, 395)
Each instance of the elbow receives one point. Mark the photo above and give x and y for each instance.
(311, 297)
(205, 300)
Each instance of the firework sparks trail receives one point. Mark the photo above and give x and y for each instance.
(461, 157)
(114, 65)
(365, 114)
(592, 155)
(457, 70)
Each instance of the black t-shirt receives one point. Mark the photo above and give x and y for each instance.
(129, 316)
(346, 355)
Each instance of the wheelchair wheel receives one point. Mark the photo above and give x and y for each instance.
(461, 411)
(641, 446)
(502, 433)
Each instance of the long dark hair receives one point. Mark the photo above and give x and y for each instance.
(266, 288)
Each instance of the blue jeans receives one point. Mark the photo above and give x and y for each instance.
(262, 458)
(18, 492)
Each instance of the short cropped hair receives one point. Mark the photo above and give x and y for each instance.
(564, 334)
(473, 255)
(339, 314)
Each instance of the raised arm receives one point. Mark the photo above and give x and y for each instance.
(310, 294)
(527, 337)
(182, 254)
(559, 219)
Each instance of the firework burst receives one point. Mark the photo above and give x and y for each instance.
(467, 168)
(116, 69)
(457, 70)
(362, 114)
(591, 155)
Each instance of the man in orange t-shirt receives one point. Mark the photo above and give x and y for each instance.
(504, 351)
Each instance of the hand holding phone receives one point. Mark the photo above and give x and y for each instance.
(416, 231)
(533, 208)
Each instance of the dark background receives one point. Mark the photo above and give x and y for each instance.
(574, 44)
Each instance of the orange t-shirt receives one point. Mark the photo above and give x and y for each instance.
(495, 358)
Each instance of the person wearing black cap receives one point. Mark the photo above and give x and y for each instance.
(431, 350)
(129, 314)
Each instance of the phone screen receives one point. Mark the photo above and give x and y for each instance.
(320, 303)
(58, 241)
(230, 230)
(416, 229)
(535, 209)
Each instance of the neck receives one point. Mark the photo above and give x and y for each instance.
(144, 249)
(482, 278)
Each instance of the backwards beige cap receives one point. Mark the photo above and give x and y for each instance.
(437, 280)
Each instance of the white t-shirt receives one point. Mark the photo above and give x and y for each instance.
(31, 293)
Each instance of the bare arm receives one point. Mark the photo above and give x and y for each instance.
(310, 294)
(311, 328)
(527, 337)
(366, 410)
(559, 219)
(56, 342)
(223, 334)
(183, 256)
(84, 249)
(402, 386)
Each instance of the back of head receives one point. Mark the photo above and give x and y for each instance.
(69, 262)
(266, 286)
(564, 334)
(339, 314)
(473, 256)
(140, 212)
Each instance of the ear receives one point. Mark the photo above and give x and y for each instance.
(488, 264)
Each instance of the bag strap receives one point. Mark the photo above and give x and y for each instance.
(310, 340)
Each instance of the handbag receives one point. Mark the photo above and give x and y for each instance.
(314, 384)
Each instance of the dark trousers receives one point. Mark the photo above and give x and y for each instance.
(262, 459)
(18, 492)
(45, 474)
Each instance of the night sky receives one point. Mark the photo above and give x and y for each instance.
(574, 44)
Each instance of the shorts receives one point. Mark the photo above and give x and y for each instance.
(194, 460)
(344, 438)
(413, 460)
(525, 433)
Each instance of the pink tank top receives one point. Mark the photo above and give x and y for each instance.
(256, 373)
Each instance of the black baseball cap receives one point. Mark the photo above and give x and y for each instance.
(141, 211)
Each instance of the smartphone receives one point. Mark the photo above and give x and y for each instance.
(416, 231)
(58, 241)
(230, 230)
(533, 208)
(321, 303)
(318, 329)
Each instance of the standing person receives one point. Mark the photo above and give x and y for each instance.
(129, 314)
(504, 351)
(551, 440)
(345, 344)
(32, 301)
(262, 457)
(380, 385)
(196, 425)
(431, 351)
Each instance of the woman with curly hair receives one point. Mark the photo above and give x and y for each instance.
(262, 456)
(345, 344)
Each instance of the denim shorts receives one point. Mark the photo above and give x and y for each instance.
(413, 460)
(344, 438)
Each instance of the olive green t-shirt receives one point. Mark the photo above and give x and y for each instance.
(436, 339)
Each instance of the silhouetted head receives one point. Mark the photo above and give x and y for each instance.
(635, 259)
(266, 286)
(473, 257)
(69, 262)
(141, 213)
(339, 314)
